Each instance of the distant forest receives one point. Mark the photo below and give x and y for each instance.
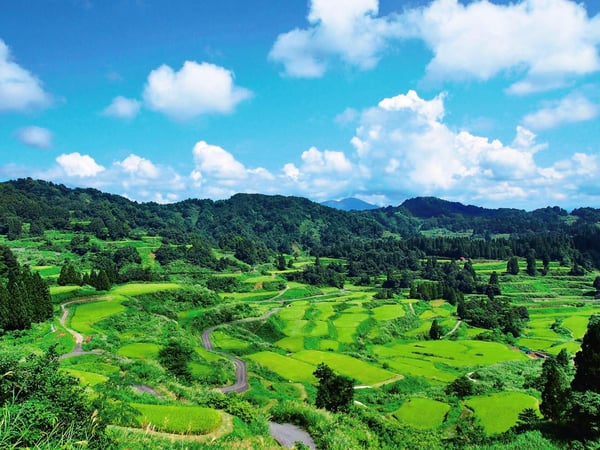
(256, 227)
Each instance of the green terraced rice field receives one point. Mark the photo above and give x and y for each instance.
(89, 378)
(499, 412)
(295, 311)
(325, 309)
(140, 350)
(453, 353)
(363, 372)
(133, 289)
(328, 344)
(422, 413)
(87, 314)
(420, 368)
(225, 342)
(286, 367)
(577, 325)
(178, 419)
(295, 327)
(291, 344)
(388, 312)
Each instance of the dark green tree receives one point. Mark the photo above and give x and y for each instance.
(175, 358)
(461, 387)
(597, 283)
(531, 264)
(102, 281)
(435, 332)
(587, 360)
(334, 392)
(555, 390)
(281, 262)
(512, 266)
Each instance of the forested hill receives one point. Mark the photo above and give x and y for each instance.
(276, 222)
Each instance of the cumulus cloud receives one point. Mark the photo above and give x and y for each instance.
(139, 167)
(35, 137)
(403, 148)
(78, 165)
(481, 39)
(19, 89)
(543, 42)
(321, 175)
(346, 29)
(218, 174)
(197, 88)
(570, 109)
(124, 108)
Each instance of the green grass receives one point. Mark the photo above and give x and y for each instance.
(422, 413)
(178, 419)
(87, 314)
(498, 412)
(361, 371)
(286, 367)
(140, 350)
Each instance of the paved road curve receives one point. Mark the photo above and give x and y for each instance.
(286, 434)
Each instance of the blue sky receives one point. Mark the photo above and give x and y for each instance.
(491, 103)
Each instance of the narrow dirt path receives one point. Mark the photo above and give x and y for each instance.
(78, 350)
(453, 330)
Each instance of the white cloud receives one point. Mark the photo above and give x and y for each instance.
(347, 29)
(573, 108)
(35, 137)
(403, 148)
(541, 38)
(124, 108)
(194, 90)
(543, 42)
(19, 89)
(218, 174)
(139, 167)
(77, 165)
(347, 116)
(322, 175)
(215, 162)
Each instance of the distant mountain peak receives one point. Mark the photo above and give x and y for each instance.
(349, 204)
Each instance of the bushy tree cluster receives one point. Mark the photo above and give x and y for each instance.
(334, 392)
(24, 296)
(42, 407)
(320, 275)
(493, 313)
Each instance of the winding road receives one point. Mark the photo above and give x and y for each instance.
(241, 373)
(78, 350)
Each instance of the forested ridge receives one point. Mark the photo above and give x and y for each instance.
(427, 226)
